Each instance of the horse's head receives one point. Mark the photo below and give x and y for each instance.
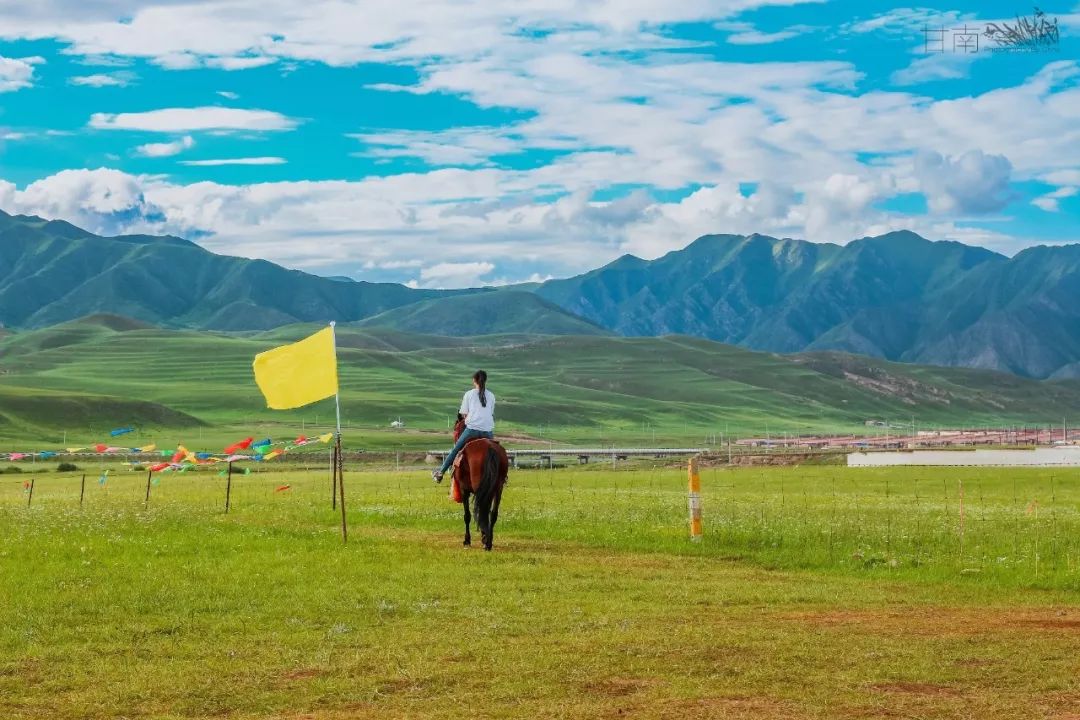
(459, 426)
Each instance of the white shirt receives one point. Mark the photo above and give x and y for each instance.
(478, 417)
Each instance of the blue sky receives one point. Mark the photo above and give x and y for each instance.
(449, 144)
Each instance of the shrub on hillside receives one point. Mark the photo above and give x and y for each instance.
(11, 470)
(66, 467)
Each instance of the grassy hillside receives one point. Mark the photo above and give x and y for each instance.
(23, 408)
(584, 389)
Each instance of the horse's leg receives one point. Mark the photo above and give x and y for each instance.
(495, 511)
(483, 519)
(476, 470)
(468, 517)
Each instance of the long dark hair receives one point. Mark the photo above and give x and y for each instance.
(480, 378)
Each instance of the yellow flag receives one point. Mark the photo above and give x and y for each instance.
(292, 376)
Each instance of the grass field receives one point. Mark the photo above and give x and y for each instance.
(816, 593)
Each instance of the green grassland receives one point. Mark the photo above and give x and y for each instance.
(577, 389)
(815, 593)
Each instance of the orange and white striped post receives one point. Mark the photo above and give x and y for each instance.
(695, 501)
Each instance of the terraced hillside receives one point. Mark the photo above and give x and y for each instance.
(573, 387)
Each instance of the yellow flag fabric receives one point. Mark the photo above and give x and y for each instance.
(292, 376)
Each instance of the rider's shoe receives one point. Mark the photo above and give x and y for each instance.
(436, 475)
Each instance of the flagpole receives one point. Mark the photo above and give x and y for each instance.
(337, 436)
(337, 395)
(339, 460)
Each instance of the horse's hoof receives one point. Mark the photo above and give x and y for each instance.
(487, 548)
(466, 544)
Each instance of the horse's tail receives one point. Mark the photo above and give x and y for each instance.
(489, 479)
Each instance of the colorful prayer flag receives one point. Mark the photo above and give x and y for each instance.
(299, 374)
(121, 431)
(242, 445)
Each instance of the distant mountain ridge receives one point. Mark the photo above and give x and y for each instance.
(897, 296)
(52, 272)
(507, 311)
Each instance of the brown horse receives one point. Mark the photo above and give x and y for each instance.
(480, 471)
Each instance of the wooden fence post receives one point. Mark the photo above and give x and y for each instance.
(228, 489)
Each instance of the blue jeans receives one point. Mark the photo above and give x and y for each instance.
(466, 436)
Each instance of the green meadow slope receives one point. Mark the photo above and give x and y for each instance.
(570, 388)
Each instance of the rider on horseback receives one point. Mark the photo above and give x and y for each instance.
(478, 407)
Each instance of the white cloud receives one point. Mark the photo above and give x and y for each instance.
(236, 161)
(754, 37)
(940, 66)
(973, 183)
(392, 264)
(240, 63)
(1050, 202)
(458, 146)
(1062, 177)
(175, 120)
(102, 200)
(104, 61)
(166, 149)
(747, 34)
(906, 21)
(17, 73)
(228, 94)
(102, 80)
(451, 274)
(187, 34)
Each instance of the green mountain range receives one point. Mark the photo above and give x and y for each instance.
(506, 311)
(897, 296)
(52, 272)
